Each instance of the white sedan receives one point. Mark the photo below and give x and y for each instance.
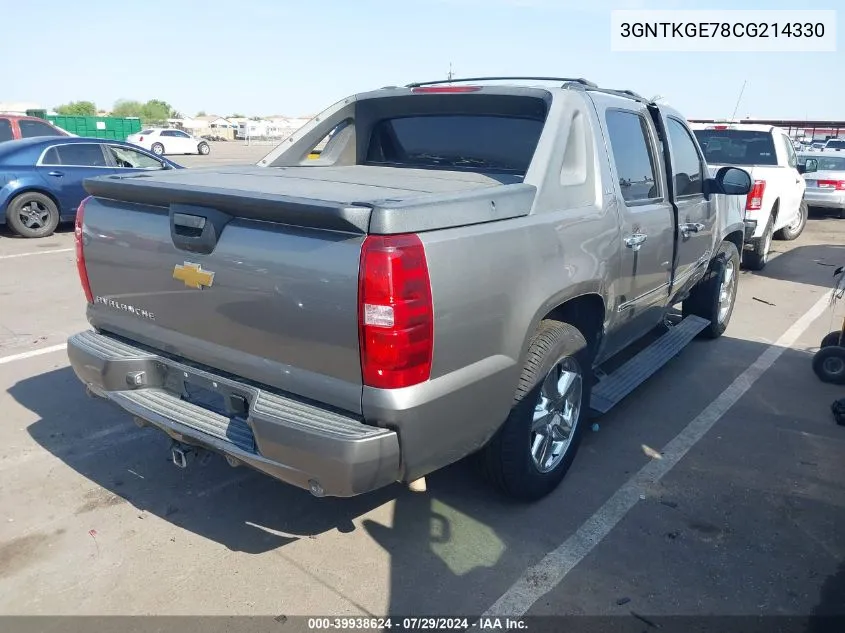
(162, 141)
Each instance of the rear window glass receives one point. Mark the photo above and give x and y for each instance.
(835, 145)
(30, 129)
(476, 142)
(5, 130)
(146, 131)
(826, 163)
(737, 147)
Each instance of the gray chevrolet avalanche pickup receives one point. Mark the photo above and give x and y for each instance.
(449, 277)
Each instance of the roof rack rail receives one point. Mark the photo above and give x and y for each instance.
(629, 94)
(563, 80)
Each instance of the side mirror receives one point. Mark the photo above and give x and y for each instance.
(809, 166)
(732, 181)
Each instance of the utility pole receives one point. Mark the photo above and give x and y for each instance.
(450, 74)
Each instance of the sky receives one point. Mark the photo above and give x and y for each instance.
(294, 58)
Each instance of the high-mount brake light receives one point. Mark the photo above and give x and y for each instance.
(444, 89)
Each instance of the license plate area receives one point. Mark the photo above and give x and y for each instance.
(813, 183)
(209, 394)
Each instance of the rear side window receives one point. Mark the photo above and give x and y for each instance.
(477, 142)
(76, 155)
(37, 128)
(6, 130)
(835, 145)
(686, 161)
(632, 155)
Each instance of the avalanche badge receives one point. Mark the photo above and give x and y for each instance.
(193, 275)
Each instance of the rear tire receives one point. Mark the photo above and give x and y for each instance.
(532, 451)
(204, 149)
(829, 364)
(795, 229)
(157, 149)
(714, 296)
(758, 256)
(32, 214)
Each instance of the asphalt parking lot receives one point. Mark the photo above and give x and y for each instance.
(741, 514)
(225, 152)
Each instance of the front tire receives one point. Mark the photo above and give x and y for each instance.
(157, 149)
(204, 149)
(532, 451)
(758, 256)
(795, 229)
(32, 215)
(829, 364)
(714, 296)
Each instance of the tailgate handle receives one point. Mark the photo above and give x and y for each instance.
(196, 229)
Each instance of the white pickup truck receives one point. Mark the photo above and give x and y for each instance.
(775, 207)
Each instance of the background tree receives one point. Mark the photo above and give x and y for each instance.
(127, 108)
(152, 112)
(77, 108)
(201, 113)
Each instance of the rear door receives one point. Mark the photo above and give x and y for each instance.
(65, 166)
(696, 215)
(647, 219)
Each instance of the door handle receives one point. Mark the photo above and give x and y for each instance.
(691, 227)
(635, 241)
(58, 174)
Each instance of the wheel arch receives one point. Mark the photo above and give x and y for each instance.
(585, 311)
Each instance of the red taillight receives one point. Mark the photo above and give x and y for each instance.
(445, 89)
(140, 138)
(80, 251)
(839, 185)
(754, 201)
(719, 127)
(395, 312)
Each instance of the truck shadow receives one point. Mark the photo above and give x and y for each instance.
(813, 264)
(453, 549)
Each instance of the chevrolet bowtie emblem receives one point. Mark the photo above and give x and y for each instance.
(193, 275)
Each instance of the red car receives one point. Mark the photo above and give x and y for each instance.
(14, 127)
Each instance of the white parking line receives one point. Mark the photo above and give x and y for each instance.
(57, 250)
(541, 578)
(33, 352)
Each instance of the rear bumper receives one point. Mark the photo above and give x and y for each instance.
(309, 447)
(826, 199)
(750, 229)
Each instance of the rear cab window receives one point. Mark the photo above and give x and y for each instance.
(738, 147)
(482, 133)
(30, 129)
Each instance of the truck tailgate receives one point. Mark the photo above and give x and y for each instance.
(271, 303)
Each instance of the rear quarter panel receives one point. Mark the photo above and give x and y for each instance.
(492, 284)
